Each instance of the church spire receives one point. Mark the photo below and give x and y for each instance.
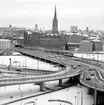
(55, 23)
(55, 14)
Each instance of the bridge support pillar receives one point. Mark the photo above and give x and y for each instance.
(60, 82)
(71, 78)
(90, 91)
(95, 97)
(42, 86)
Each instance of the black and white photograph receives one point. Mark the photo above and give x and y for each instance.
(51, 52)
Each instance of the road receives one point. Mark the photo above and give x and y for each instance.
(85, 65)
(97, 82)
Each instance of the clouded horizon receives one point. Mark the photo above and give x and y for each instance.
(27, 13)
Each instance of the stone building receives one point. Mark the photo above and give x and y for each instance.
(97, 45)
(5, 44)
(86, 45)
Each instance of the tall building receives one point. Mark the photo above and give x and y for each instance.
(55, 23)
(74, 29)
(36, 28)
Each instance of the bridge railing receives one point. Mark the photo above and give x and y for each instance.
(92, 84)
(37, 79)
(99, 64)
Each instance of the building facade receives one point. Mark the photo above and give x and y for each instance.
(31, 38)
(86, 45)
(74, 38)
(5, 44)
(91, 45)
(74, 29)
(37, 40)
(53, 42)
(97, 45)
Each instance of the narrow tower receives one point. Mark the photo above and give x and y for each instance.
(36, 28)
(55, 23)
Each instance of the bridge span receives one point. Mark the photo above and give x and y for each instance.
(82, 68)
(96, 81)
(67, 73)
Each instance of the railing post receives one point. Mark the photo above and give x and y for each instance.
(95, 97)
(42, 86)
(60, 82)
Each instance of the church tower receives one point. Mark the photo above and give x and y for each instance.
(55, 23)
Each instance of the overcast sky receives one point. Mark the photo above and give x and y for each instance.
(27, 13)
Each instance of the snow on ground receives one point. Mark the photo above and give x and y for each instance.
(8, 93)
(72, 94)
(23, 61)
(90, 56)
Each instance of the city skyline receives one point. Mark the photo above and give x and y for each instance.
(27, 13)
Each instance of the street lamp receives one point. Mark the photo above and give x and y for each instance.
(10, 61)
(67, 94)
(75, 99)
(50, 62)
(9, 64)
(21, 97)
(25, 61)
(81, 94)
(97, 57)
(30, 92)
(95, 95)
(19, 87)
(78, 93)
(36, 101)
(38, 64)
